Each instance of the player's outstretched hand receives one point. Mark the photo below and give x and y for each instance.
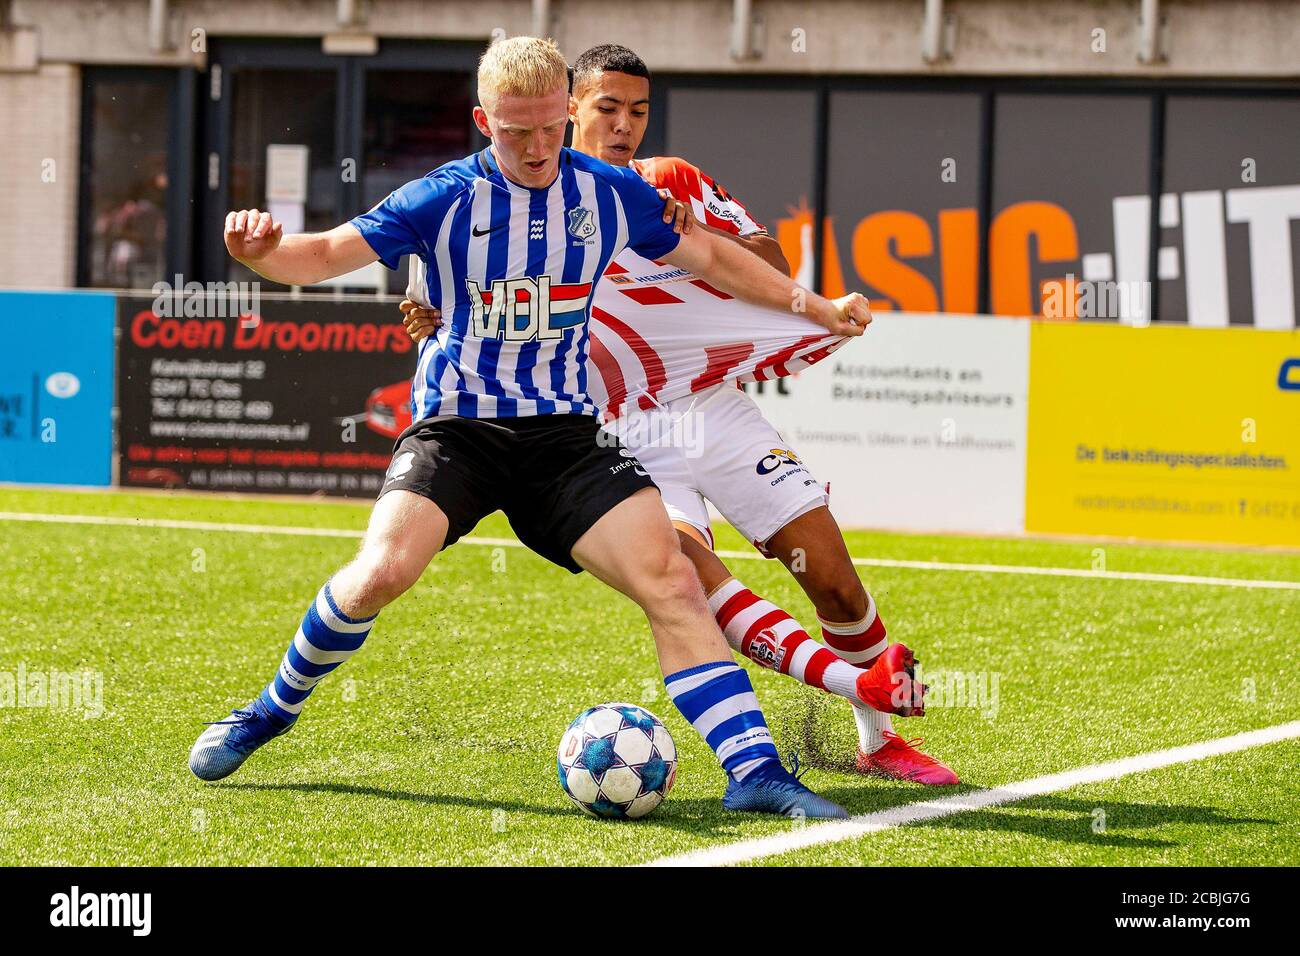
(678, 213)
(420, 322)
(849, 315)
(252, 234)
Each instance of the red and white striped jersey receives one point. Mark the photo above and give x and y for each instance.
(709, 200)
(659, 333)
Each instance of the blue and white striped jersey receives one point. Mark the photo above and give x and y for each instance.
(513, 270)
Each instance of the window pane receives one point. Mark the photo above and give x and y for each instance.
(128, 182)
(415, 120)
(292, 108)
(903, 196)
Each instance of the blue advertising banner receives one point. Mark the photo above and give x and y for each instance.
(56, 387)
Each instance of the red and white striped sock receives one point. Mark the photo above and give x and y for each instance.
(860, 643)
(770, 637)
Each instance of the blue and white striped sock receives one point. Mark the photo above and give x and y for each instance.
(718, 699)
(326, 638)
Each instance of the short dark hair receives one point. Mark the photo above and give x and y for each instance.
(607, 58)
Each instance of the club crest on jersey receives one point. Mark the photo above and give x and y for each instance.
(520, 310)
(582, 224)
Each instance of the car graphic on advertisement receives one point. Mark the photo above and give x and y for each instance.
(388, 409)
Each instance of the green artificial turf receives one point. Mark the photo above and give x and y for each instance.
(436, 743)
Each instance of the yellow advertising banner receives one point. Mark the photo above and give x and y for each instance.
(1164, 433)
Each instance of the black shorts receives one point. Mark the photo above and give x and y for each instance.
(554, 476)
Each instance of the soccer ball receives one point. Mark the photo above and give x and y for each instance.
(617, 760)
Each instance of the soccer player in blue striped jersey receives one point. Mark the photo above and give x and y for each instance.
(789, 520)
(514, 239)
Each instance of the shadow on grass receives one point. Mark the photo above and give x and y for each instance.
(1060, 819)
(1068, 820)
(699, 816)
(407, 796)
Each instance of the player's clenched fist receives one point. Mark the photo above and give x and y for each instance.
(252, 234)
(848, 315)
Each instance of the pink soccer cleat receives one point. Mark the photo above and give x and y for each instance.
(899, 759)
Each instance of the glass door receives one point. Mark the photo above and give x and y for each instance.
(271, 141)
(413, 121)
(318, 139)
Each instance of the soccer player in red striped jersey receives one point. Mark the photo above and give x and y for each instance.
(746, 470)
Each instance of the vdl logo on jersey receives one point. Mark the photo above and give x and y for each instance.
(520, 310)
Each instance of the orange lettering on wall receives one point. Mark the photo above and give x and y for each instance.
(959, 259)
(795, 235)
(793, 232)
(832, 273)
(1010, 292)
(879, 242)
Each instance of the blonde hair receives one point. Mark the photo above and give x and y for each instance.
(521, 66)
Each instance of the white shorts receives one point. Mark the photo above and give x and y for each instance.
(716, 445)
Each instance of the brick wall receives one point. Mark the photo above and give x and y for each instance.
(39, 114)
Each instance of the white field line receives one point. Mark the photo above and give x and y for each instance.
(1058, 572)
(822, 833)
(121, 522)
(740, 555)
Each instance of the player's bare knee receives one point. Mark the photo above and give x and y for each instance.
(680, 583)
(668, 581)
(382, 578)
